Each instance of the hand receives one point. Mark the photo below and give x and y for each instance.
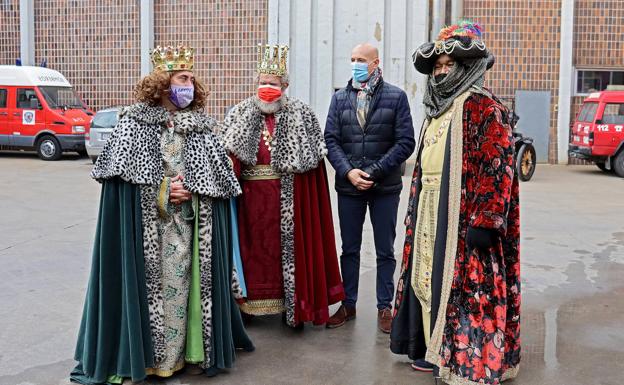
(357, 178)
(480, 238)
(177, 193)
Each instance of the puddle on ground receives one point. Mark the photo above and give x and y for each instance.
(572, 333)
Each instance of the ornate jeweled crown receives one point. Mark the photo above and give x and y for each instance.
(272, 59)
(180, 58)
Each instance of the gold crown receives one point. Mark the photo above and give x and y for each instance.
(180, 58)
(272, 59)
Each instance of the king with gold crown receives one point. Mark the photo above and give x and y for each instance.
(161, 291)
(287, 248)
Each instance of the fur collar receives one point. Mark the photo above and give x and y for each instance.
(184, 121)
(298, 140)
(133, 151)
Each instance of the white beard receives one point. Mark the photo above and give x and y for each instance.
(269, 108)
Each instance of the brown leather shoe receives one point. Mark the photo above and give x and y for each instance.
(384, 320)
(342, 315)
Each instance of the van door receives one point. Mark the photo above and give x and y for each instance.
(610, 131)
(27, 118)
(4, 117)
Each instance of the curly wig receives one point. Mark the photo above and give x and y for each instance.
(153, 87)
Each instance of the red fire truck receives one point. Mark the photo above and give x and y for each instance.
(598, 131)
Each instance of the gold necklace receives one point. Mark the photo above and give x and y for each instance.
(268, 138)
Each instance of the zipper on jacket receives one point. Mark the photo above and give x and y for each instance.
(371, 106)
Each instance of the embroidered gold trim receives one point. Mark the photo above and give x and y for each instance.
(162, 197)
(447, 47)
(433, 180)
(426, 225)
(165, 373)
(263, 306)
(433, 150)
(454, 379)
(444, 125)
(510, 373)
(259, 172)
(455, 175)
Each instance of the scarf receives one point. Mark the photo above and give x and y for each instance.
(365, 93)
(463, 76)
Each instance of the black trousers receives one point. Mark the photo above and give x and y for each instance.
(383, 213)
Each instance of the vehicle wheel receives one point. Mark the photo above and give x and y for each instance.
(49, 148)
(525, 162)
(603, 167)
(618, 164)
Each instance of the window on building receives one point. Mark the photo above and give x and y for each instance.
(588, 112)
(3, 98)
(588, 81)
(613, 113)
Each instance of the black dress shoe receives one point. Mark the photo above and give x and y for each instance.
(422, 366)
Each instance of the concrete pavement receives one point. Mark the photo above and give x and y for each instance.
(572, 266)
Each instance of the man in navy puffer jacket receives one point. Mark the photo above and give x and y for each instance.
(369, 134)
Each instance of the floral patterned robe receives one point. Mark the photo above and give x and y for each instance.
(175, 231)
(475, 331)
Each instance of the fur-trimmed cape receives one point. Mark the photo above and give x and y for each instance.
(298, 149)
(133, 154)
(298, 143)
(133, 151)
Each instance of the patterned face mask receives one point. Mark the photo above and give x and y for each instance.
(181, 96)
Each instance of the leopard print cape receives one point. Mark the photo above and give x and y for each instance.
(133, 154)
(298, 147)
(133, 151)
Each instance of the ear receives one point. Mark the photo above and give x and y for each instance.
(284, 86)
(376, 62)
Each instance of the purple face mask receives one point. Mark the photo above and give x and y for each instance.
(181, 96)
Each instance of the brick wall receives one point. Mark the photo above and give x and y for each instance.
(598, 39)
(525, 39)
(9, 31)
(94, 43)
(599, 34)
(225, 34)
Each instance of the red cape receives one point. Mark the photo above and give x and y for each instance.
(317, 277)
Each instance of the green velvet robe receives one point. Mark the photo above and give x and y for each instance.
(114, 339)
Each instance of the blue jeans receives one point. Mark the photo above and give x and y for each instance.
(383, 213)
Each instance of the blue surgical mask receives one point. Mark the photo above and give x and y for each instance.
(359, 71)
(181, 96)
